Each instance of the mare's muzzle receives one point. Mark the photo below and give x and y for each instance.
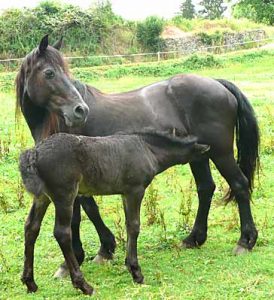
(76, 116)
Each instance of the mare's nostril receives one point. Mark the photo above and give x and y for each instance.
(79, 112)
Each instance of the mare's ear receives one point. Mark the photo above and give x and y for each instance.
(44, 44)
(58, 44)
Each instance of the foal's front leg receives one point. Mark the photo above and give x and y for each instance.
(62, 233)
(32, 228)
(132, 205)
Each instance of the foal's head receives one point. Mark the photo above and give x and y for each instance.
(43, 80)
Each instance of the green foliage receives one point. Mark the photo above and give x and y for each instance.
(214, 39)
(149, 33)
(187, 9)
(86, 31)
(257, 10)
(212, 9)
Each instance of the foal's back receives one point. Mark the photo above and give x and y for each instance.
(101, 165)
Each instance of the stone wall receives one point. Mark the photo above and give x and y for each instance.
(230, 41)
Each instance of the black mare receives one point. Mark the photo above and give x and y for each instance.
(212, 110)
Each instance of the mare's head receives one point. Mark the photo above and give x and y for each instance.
(43, 81)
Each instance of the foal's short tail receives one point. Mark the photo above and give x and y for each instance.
(29, 173)
(247, 135)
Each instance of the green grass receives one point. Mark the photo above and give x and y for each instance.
(211, 272)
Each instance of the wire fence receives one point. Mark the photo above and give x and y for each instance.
(119, 59)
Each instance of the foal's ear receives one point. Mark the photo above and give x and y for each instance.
(44, 44)
(57, 45)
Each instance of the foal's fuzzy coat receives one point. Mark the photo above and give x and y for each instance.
(65, 165)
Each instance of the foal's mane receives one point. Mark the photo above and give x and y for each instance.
(50, 122)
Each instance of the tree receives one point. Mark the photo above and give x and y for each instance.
(257, 10)
(187, 10)
(212, 9)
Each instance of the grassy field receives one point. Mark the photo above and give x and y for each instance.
(211, 272)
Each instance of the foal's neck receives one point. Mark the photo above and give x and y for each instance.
(167, 154)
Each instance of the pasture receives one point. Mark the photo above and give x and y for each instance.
(168, 212)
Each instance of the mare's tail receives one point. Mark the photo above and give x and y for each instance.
(247, 135)
(29, 173)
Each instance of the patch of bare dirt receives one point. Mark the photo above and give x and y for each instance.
(173, 32)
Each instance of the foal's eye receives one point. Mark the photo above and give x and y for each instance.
(49, 74)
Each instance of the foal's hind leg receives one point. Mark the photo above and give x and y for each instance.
(106, 237)
(205, 188)
(76, 241)
(239, 186)
(132, 204)
(62, 233)
(32, 228)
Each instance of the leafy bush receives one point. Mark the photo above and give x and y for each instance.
(199, 62)
(86, 31)
(149, 33)
(212, 39)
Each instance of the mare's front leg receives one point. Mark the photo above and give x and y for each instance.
(205, 188)
(32, 228)
(132, 204)
(62, 232)
(106, 237)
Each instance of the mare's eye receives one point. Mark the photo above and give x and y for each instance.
(49, 74)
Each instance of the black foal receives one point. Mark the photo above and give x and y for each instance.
(63, 166)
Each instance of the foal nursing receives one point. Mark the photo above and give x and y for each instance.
(63, 166)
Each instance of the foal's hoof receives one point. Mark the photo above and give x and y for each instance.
(87, 289)
(240, 250)
(32, 287)
(62, 272)
(139, 279)
(99, 259)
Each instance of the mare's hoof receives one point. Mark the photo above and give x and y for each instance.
(99, 259)
(240, 250)
(62, 272)
(189, 244)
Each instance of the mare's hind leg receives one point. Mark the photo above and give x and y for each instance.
(239, 186)
(32, 228)
(106, 237)
(62, 233)
(205, 188)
